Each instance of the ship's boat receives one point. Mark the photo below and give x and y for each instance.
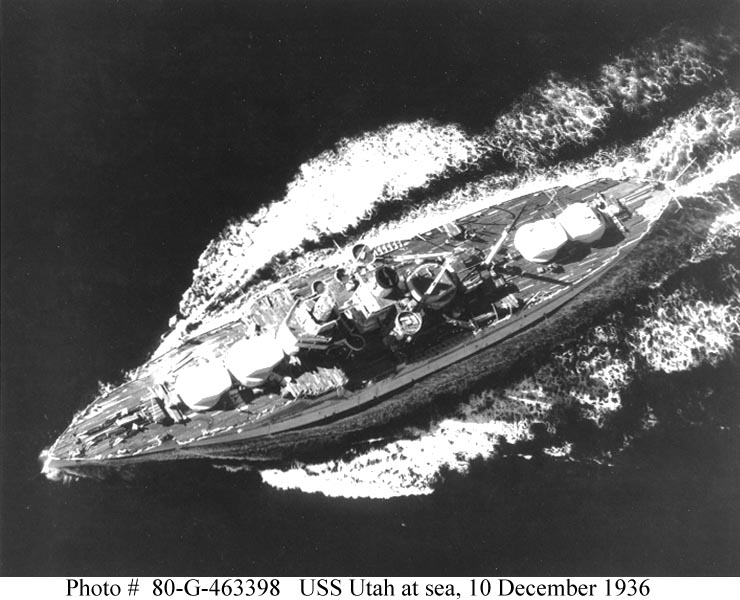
(316, 349)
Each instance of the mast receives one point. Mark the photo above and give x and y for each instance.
(507, 230)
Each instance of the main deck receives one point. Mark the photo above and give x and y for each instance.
(375, 371)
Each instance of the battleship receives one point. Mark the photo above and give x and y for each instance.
(312, 352)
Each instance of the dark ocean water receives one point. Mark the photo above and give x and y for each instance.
(133, 131)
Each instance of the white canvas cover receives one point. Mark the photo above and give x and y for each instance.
(251, 360)
(540, 241)
(200, 386)
(582, 223)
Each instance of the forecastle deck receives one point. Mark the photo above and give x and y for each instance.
(107, 431)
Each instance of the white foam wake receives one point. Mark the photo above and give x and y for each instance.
(330, 193)
(402, 468)
(677, 332)
(342, 186)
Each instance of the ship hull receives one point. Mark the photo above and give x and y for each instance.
(322, 426)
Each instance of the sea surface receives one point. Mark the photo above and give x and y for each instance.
(161, 158)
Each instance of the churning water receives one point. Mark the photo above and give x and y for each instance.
(245, 139)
